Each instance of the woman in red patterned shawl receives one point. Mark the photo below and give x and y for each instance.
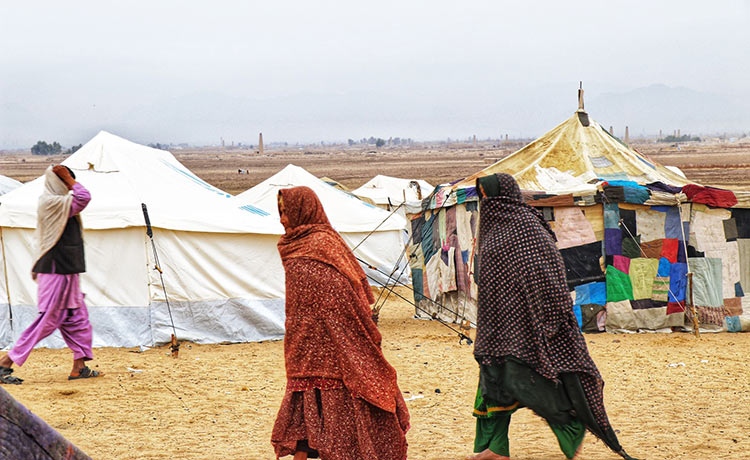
(342, 401)
(530, 350)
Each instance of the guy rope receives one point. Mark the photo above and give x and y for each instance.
(175, 346)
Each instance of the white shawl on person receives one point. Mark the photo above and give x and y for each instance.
(53, 212)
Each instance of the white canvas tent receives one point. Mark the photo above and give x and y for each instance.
(354, 219)
(7, 184)
(221, 268)
(388, 192)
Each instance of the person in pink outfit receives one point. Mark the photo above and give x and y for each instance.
(56, 270)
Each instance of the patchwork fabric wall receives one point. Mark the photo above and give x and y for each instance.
(440, 254)
(719, 249)
(580, 235)
(626, 264)
(645, 265)
(648, 260)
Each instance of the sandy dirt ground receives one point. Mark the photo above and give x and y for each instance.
(220, 401)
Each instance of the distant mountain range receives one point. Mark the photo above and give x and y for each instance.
(205, 117)
(655, 107)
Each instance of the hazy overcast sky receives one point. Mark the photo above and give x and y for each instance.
(68, 69)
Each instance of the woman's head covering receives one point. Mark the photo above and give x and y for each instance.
(504, 190)
(53, 211)
(310, 235)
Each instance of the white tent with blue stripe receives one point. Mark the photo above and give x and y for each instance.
(377, 235)
(222, 273)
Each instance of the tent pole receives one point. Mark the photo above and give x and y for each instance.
(175, 346)
(5, 273)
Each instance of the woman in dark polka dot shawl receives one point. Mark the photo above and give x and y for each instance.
(529, 347)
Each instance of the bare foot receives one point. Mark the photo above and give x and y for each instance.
(487, 455)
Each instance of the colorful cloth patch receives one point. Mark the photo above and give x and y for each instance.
(592, 316)
(642, 274)
(669, 249)
(677, 282)
(611, 216)
(707, 315)
(628, 225)
(660, 292)
(675, 307)
(621, 263)
(613, 241)
(572, 228)
(631, 247)
(733, 324)
(665, 268)
(650, 224)
(591, 293)
(620, 315)
(577, 314)
(733, 306)
(730, 229)
(672, 226)
(743, 246)
(652, 249)
(742, 221)
(582, 263)
(707, 282)
(643, 304)
(619, 287)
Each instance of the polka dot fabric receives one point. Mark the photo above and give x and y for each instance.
(524, 308)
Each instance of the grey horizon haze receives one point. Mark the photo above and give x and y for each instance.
(194, 72)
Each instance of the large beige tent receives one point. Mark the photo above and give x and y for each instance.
(628, 229)
(572, 158)
(222, 273)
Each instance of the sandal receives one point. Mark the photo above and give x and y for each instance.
(85, 373)
(6, 378)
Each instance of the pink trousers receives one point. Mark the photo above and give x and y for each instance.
(61, 306)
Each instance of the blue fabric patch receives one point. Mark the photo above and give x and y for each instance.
(613, 241)
(733, 324)
(677, 282)
(595, 293)
(636, 195)
(738, 292)
(662, 208)
(626, 183)
(465, 256)
(611, 215)
(665, 267)
(579, 316)
(672, 224)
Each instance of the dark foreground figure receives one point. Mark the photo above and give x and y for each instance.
(530, 350)
(25, 436)
(342, 401)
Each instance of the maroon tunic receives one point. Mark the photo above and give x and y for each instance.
(342, 400)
